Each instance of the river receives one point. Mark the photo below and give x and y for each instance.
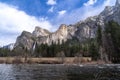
(59, 72)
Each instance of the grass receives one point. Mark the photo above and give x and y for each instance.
(53, 60)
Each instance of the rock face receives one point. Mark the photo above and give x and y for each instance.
(117, 2)
(9, 46)
(40, 32)
(59, 35)
(112, 13)
(82, 30)
(25, 40)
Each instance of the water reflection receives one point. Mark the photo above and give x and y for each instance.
(58, 72)
(6, 72)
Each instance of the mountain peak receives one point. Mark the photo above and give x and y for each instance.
(9, 46)
(25, 33)
(37, 28)
(117, 3)
(81, 31)
(40, 32)
(62, 27)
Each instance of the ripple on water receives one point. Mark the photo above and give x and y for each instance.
(59, 72)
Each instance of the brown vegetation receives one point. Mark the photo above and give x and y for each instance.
(55, 60)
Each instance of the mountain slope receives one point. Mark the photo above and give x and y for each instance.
(10, 46)
(82, 30)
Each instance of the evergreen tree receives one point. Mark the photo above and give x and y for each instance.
(93, 51)
(99, 36)
(112, 32)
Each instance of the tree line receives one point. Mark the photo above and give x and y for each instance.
(105, 45)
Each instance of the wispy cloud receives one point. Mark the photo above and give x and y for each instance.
(51, 9)
(62, 12)
(90, 2)
(15, 21)
(109, 2)
(51, 2)
(83, 12)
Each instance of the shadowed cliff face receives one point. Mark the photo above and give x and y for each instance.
(82, 30)
(25, 40)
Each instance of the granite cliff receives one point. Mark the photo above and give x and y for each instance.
(82, 30)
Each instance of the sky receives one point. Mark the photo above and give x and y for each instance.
(24, 15)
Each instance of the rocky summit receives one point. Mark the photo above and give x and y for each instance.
(81, 31)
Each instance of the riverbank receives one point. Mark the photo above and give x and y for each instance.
(54, 60)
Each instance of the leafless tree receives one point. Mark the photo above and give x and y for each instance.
(78, 58)
(61, 55)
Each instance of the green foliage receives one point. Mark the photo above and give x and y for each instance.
(93, 51)
(4, 52)
(99, 36)
(112, 32)
(70, 48)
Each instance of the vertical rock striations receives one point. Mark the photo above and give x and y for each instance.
(82, 30)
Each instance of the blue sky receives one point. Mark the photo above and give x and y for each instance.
(19, 15)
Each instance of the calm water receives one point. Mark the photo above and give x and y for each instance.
(59, 72)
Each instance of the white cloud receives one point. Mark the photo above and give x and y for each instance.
(15, 21)
(90, 2)
(62, 12)
(82, 13)
(51, 9)
(51, 2)
(5, 41)
(109, 2)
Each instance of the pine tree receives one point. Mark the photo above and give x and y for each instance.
(112, 31)
(93, 51)
(99, 36)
